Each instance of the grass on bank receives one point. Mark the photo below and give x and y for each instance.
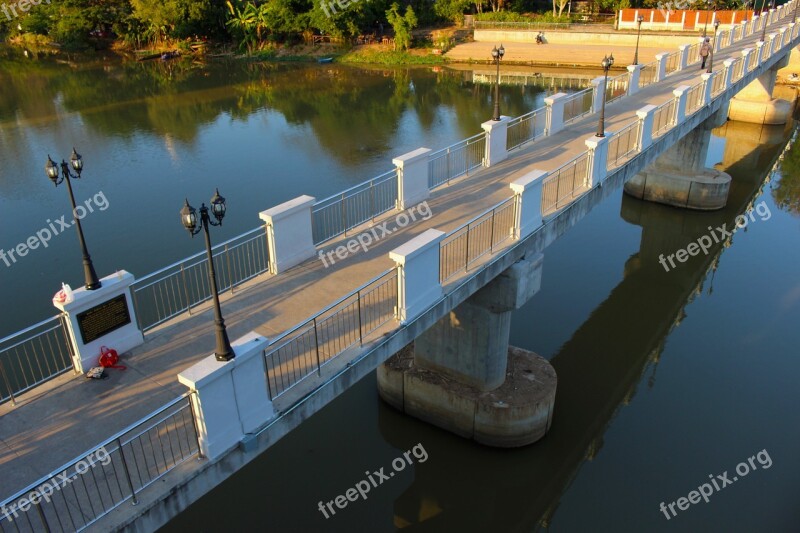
(389, 58)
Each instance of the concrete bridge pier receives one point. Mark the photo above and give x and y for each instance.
(755, 103)
(679, 176)
(462, 375)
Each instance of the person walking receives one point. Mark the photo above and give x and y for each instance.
(705, 49)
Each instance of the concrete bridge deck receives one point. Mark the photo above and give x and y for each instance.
(62, 419)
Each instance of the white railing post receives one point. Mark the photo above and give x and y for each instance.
(784, 40)
(418, 274)
(290, 236)
(683, 56)
(746, 60)
(773, 15)
(634, 72)
(496, 137)
(708, 81)
(412, 176)
(554, 121)
(230, 398)
(528, 192)
(773, 44)
(790, 33)
(646, 116)
(759, 53)
(661, 66)
(745, 25)
(598, 160)
(598, 93)
(728, 63)
(718, 41)
(755, 25)
(680, 103)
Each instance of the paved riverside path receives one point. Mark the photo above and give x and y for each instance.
(564, 55)
(68, 416)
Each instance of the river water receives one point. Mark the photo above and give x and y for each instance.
(665, 378)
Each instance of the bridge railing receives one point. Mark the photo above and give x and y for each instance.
(565, 183)
(304, 350)
(738, 69)
(32, 356)
(478, 237)
(181, 286)
(622, 144)
(672, 62)
(717, 83)
(352, 207)
(647, 74)
(577, 105)
(694, 98)
(76, 495)
(526, 128)
(664, 117)
(693, 55)
(617, 87)
(456, 160)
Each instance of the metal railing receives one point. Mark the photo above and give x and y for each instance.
(601, 21)
(765, 50)
(565, 183)
(694, 98)
(478, 237)
(752, 59)
(352, 207)
(526, 128)
(738, 69)
(672, 64)
(170, 291)
(34, 355)
(664, 117)
(717, 83)
(87, 488)
(456, 160)
(693, 56)
(622, 144)
(578, 104)
(647, 74)
(305, 349)
(616, 87)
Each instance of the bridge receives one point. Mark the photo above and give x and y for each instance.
(461, 234)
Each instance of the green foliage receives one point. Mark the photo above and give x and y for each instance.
(502, 16)
(396, 58)
(451, 10)
(402, 25)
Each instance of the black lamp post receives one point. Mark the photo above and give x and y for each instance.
(711, 52)
(497, 55)
(639, 21)
(606, 64)
(764, 21)
(705, 26)
(224, 352)
(90, 277)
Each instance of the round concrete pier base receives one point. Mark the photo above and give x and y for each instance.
(706, 189)
(517, 413)
(775, 111)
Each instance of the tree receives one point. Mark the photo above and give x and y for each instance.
(561, 4)
(402, 25)
(452, 10)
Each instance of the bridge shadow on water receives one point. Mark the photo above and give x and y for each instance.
(599, 368)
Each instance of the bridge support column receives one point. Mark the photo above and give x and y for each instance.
(756, 105)
(496, 138)
(633, 78)
(289, 233)
(598, 93)
(412, 176)
(230, 398)
(554, 121)
(461, 374)
(679, 176)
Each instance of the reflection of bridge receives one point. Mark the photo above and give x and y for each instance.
(547, 80)
(497, 200)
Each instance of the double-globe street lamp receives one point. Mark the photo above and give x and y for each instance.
(497, 55)
(190, 221)
(606, 63)
(90, 277)
(711, 51)
(639, 21)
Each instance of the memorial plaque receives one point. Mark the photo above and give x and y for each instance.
(103, 318)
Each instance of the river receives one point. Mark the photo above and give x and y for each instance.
(666, 379)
